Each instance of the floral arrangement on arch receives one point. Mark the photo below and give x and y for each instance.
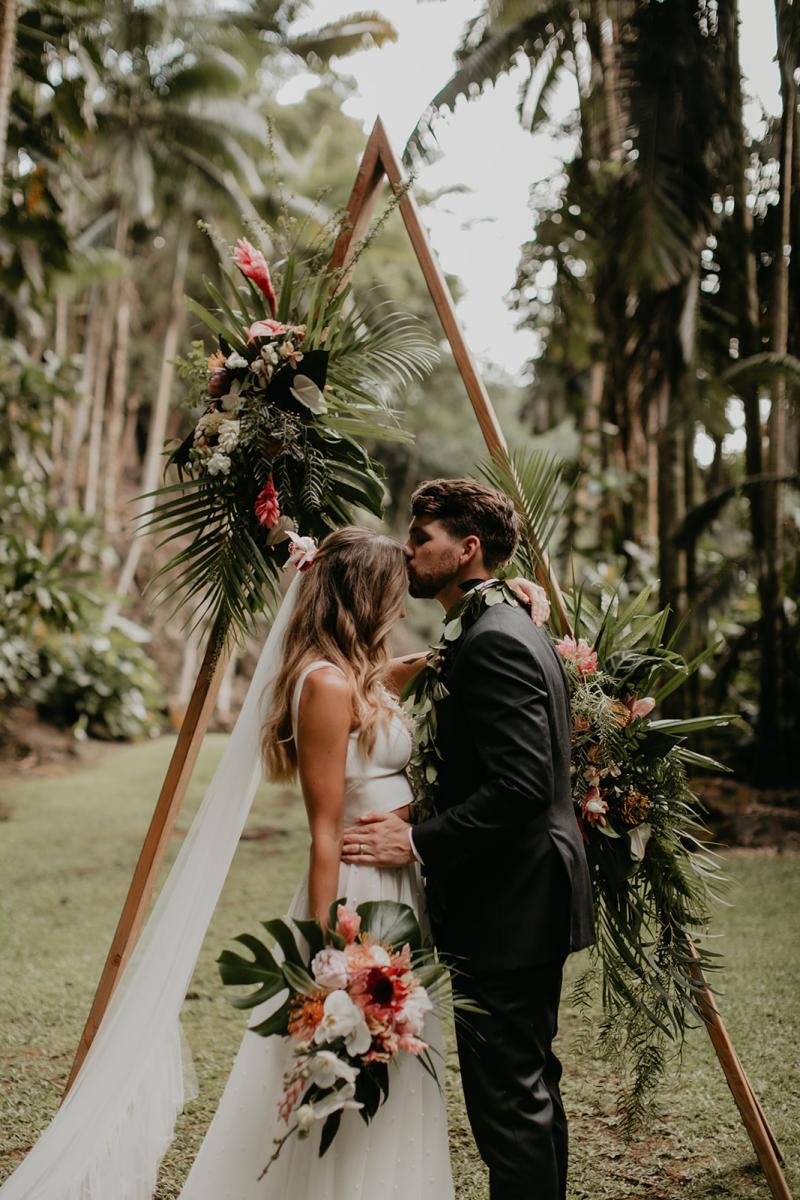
(358, 995)
(297, 380)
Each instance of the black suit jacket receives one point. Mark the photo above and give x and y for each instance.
(505, 867)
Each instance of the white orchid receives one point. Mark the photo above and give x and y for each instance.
(325, 1068)
(343, 1019)
(236, 361)
(335, 1101)
(417, 1004)
(639, 837)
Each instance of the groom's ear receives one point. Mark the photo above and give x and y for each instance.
(472, 550)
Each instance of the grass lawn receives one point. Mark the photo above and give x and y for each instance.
(69, 842)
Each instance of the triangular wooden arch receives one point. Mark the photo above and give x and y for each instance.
(378, 162)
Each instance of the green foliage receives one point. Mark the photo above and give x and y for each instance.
(55, 648)
(99, 683)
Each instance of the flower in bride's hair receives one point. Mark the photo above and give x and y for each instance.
(348, 923)
(267, 508)
(303, 551)
(253, 265)
(329, 969)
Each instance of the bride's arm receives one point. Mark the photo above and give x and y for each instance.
(400, 670)
(324, 722)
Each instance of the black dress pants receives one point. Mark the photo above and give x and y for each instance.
(510, 1077)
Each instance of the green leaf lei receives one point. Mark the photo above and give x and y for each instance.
(429, 687)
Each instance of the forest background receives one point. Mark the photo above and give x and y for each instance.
(656, 283)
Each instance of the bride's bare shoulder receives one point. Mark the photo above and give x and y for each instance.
(326, 699)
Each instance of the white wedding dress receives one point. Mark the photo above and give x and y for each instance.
(403, 1153)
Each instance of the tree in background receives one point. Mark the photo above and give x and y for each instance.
(649, 333)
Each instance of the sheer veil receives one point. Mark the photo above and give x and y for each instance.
(109, 1135)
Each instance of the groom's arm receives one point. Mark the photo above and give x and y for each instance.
(503, 704)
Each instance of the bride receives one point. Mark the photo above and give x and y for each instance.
(334, 721)
(322, 704)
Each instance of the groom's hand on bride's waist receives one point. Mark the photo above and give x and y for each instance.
(379, 839)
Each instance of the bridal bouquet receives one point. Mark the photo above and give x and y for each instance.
(356, 999)
(297, 379)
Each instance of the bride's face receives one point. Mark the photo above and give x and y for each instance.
(433, 557)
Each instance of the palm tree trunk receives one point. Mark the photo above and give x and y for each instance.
(611, 89)
(746, 282)
(772, 719)
(114, 294)
(80, 421)
(61, 346)
(116, 419)
(160, 412)
(669, 497)
(8, 42)
(119, 384)
(98, 404)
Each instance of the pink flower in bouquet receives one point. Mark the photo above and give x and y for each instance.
(253, 265)
(640, 708)
(303, 551)
(267, 508)
(348, 923)
(267, 328)
(329, 969)
(594, 807)
(579, 653)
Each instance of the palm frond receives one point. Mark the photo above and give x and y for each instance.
(345, 36)
(534, 481)
(762, 369)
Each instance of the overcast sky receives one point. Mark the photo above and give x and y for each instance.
(478, 235)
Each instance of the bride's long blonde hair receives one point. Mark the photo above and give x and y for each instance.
(347, 603)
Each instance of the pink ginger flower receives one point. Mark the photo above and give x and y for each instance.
(267, 328)
(348, 923)
(267, 508)
(253, 265)
(294, 1086)
(594, 807)
(640, 708)
(579, 653)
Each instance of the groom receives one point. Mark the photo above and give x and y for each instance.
(505, 870)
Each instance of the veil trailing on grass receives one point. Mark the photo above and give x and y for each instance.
(109, 1135)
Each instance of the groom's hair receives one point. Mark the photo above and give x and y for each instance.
(468, 508)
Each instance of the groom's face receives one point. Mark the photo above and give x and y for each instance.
(433, 557)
